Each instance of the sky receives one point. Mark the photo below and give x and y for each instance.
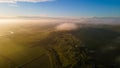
(60, 8)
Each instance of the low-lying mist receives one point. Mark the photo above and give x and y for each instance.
(66, 26)
(57, 23)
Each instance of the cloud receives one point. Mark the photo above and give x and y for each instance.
(15, 1)
(66, 27)
(14, 5)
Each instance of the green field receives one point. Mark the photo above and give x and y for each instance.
(19, 50)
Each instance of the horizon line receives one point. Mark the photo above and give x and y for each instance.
(57, 17)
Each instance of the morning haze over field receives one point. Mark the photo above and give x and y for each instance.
(59, 34)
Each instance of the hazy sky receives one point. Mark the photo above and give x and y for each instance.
(60, 8)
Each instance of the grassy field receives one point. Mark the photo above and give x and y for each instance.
(19, 50)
